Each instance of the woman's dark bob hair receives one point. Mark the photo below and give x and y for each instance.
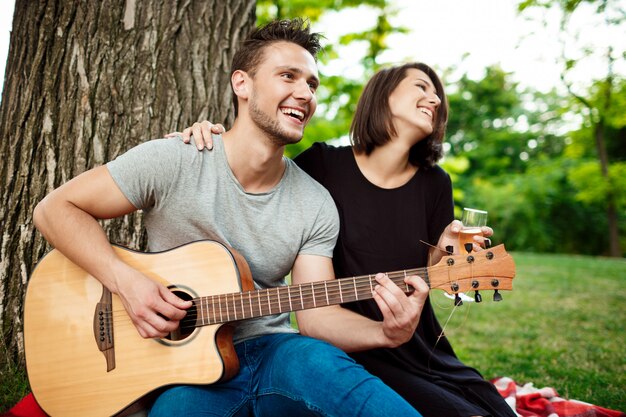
(372, 124)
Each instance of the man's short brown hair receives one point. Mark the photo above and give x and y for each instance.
(250, 52)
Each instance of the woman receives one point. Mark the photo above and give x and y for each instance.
(393, 202)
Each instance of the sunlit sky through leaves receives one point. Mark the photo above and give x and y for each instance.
(466, 35)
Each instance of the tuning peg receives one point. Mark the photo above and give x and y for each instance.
(477, 297)
(468, 247)
(450, 249)
(487, 243)
(497, 296)
(457, 300)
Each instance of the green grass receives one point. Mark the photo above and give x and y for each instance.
(562, 326)
(13, 386)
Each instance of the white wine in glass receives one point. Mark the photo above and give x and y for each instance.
(473, 220)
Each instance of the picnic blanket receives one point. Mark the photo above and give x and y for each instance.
(27, 407)
(528, 401)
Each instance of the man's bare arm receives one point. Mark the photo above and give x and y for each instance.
(351, 331)
(68, 219)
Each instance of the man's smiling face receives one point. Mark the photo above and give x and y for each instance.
(282, 99)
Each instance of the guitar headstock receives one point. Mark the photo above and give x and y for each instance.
(489, 269)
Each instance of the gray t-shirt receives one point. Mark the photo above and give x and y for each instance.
(188, 195)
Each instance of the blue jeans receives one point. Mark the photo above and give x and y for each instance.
(288, 375)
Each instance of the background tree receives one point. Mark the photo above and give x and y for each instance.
(84, 82)
(597, 100)
(502, 141)
(522, 155)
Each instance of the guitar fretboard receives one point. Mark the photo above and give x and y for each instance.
(223, 308)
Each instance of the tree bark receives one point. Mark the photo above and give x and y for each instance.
(86, 81)
(615, 249)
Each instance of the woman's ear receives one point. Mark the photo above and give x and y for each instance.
(241, 83)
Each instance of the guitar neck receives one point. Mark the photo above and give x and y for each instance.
(223, 308)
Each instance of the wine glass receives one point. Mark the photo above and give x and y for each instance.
(473, 220)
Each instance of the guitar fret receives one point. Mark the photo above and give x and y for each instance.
(301, 298)
(243, 311)
(219, 301)
(269, 302)
(371, 286)
(210, 309)
(227, 307)
(250, 301)
(260, 305)
(289, 296)
(356, 293)
(280, 307)
(201, 315)
(306, 294)
(205, 301)
(340, 292)
(348, 291)
(313, 295)
(214, 320)
(326, 290)
(214, 309)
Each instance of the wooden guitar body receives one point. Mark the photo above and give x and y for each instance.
(85, 357)
(69, 374)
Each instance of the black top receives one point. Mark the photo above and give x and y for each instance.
(381, 231)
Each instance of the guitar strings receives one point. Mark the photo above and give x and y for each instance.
(304, 297)
(260, 306)
(442, 334)
(190, 322)
(273, 301)
(264, 300)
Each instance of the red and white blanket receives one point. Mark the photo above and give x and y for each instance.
(528, 401)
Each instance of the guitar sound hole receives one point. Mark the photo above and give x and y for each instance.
(188, 323)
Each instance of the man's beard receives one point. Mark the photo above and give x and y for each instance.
(272, 128)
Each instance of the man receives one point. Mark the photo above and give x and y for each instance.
(247, 195)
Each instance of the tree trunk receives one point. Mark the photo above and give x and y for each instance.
(615, 249)
(599, 135)
(85, 81)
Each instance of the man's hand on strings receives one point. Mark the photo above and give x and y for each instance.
(401, 313)
(152, 307)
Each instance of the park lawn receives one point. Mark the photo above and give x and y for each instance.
(562, 326)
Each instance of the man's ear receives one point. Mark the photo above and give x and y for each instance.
(242, 84)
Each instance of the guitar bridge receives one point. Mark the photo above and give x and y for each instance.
(103, 328)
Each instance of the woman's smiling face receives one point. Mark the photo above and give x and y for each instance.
(413, 105)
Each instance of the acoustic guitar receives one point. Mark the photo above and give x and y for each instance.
(85, 358)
